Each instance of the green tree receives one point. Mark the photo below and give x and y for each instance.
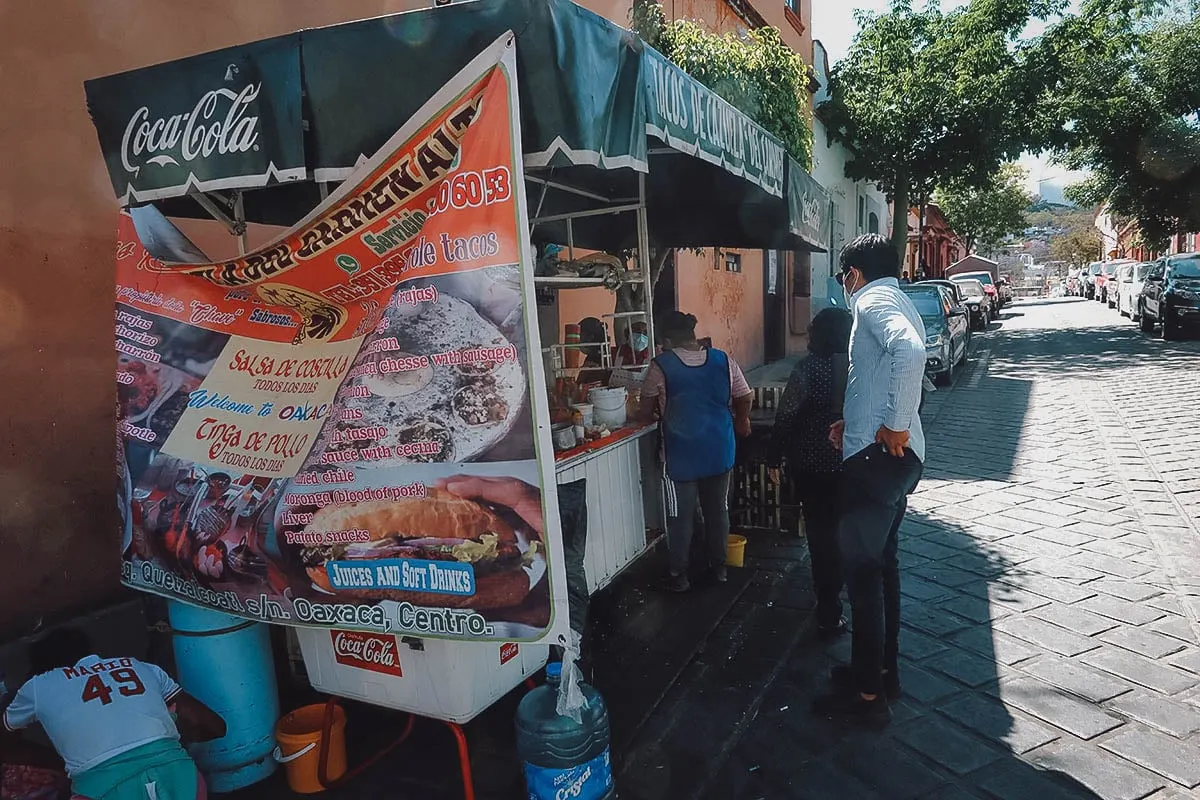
(926, 99)
(1077, 246)
(757, 73)
(1124, 106)
(984, 215)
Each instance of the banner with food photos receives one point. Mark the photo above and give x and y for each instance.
(345, 428)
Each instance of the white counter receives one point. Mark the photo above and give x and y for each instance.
(624, 498)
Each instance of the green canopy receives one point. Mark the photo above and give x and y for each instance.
(278, 117)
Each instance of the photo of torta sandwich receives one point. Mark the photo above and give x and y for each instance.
(438, 527)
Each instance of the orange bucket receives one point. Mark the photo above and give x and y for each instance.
(299, 747)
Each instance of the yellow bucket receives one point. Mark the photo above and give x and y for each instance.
(299, 750)
(735, 550)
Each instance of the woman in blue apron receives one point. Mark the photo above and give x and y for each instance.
(702, 398)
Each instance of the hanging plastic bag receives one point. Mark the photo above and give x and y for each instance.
(570, 697)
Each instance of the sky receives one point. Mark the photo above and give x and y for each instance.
(833, 24)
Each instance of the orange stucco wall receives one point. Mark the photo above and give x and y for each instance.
(728, 306)
(57, 226)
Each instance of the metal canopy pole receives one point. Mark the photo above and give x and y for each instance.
(643, 244)
(239, 223)
(235, 226)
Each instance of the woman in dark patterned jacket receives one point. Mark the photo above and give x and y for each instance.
(811, 403)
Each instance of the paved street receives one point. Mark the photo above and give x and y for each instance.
(1052, 587)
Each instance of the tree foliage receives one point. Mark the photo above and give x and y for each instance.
(1122, 104)
(757, 73)
(983, 215)
(1079, 245)
(926, 98)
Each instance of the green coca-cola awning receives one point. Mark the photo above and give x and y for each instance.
(277, 118)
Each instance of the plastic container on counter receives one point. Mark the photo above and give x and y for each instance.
(562, 758)
(608, 406)
(585, 411)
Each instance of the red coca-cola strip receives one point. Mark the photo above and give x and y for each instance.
(370, 651)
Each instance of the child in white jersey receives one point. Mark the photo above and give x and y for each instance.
(113, 721)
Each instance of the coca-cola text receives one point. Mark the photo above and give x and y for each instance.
(206, 129)
(369, 651)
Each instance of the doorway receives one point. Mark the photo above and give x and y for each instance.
(774, 306)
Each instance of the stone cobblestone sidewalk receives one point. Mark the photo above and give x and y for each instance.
(1051, 589)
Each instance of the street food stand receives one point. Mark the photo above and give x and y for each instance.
(618, 151)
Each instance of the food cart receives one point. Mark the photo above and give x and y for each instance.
(618, 151)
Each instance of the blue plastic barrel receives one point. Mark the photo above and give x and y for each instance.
(225, 662)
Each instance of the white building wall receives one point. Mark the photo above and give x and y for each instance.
(858, 208)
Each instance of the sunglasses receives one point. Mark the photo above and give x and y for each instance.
(841, 277)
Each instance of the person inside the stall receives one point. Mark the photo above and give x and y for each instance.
(592, 334)
(702, 398)
(636, 349)
(116, 722)
(811, 403)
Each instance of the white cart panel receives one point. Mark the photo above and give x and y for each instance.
(452, 681)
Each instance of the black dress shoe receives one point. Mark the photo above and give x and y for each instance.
(842, 678)
(851, 707)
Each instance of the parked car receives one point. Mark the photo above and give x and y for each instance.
(959, 298)
(1129, 287)
(1004, 289)
(1102, 278)
(947, 332)
(956, 290)
(1121, 281)
(1072, 283)
(989, 288)
(978, 306)
(1106, 281)
(1170, 297)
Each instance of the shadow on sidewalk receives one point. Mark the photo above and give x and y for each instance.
(951, 736)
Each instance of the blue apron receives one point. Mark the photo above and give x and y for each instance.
(697, 426)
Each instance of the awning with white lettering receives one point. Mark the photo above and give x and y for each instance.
(258, 128)
(809, 208)
(229, 119)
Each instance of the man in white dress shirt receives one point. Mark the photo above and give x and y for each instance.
(883, 450)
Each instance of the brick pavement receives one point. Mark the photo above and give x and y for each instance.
(1051, 589)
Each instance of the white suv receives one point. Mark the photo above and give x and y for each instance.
(1131, 277)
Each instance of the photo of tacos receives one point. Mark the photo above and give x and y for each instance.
(436, 382)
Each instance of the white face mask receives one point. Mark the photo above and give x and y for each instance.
(847, 292)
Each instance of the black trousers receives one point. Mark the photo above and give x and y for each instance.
(874, 498)
(820, 497)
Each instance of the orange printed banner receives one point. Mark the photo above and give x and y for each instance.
(346, 428)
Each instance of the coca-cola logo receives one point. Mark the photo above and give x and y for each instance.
(220, 123)
(369, 651)
(508, 651)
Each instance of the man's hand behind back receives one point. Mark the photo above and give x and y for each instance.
(893, 442)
